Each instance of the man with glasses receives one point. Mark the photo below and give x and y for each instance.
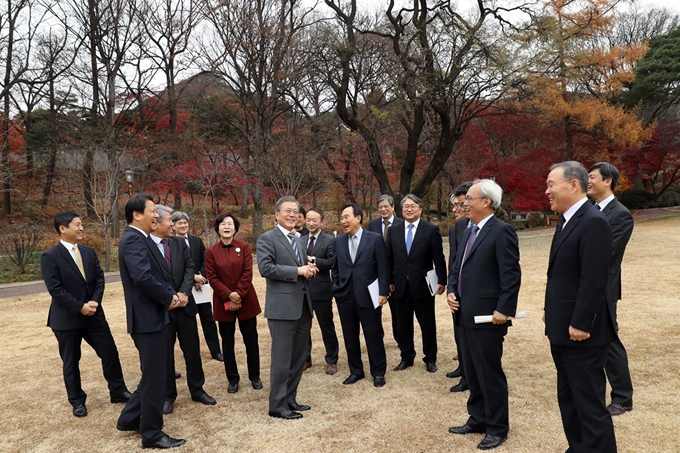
(455, 234)
(413, 249)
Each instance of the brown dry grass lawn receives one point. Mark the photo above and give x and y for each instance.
(410, 414)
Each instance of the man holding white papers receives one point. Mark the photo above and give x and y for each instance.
(414, 247)
(359, 261)
(485, 279)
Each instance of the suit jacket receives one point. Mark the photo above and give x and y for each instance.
(68, 288)
(491, 274)
(228, 271)
(147, 294)
(621, 223)
(426, 253)
(370, 263)
(455, 236)
(277, 263)
(320, 285)
(578, 271)
(181, 276)
(376, 225)
(197, 254)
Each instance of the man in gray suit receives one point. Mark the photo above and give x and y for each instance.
(602, 180)
(282, 261)
(319, 247)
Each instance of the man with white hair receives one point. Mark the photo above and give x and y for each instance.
(485, 280)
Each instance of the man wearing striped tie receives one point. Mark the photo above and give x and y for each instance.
(288, 307)
(75, 281)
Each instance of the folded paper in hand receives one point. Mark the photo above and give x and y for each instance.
(204, 296)
(432, 281)
(374, 291)
(483, 319)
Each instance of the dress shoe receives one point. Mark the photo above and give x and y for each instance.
(454, 374)
(403, 365)
(431, 367)
(331, 368)
(490, 442)
(257, 384)
(233, 388)
(168, 407)
(218, 357)
(204, 398)
(466, 429)
(298, 407)
(121, 398)
(459, 388)
(80, 410)
(353, 378)
(308, 365)
(165, 442)
(618, 409)
(121, 427)
(378, 381)
(286, 415)
(178, 375)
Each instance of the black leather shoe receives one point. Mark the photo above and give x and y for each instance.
(80, 411)
(378, 381)
(490, 442)
(218, 357)
(353, 378)
(165, 442)
(204, 398)
(459, 388)
(298, 407)
(121, 427)
(466, 429)
(618, 409)
(168, 407)
(121, 398)
(233, 388)
(454, 374)
(286, 415)
(257, 384)
(403, 365)
(178, 375)
(431, 367)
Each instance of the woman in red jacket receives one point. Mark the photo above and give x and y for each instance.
(229, 268)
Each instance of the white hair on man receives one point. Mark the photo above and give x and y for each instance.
(490, 190)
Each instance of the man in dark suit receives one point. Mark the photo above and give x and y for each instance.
(359, 262)
(319, 247)
(282, 261)
(485, 280)
(178, 268)
(197, 249)
(413, 249)
(462, 222)
(148, 298)
(602, 180)
(75, 281)
(300, 227)
(578, 321)
(381, 226)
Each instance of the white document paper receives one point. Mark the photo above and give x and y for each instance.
(432, 281)
(483, 319)
(374, 291)
(204, 296)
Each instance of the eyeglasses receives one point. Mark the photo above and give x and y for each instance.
(409, 207)
(468, 198)
(457, 205)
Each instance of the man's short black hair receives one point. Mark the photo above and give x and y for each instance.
(356, 210)
(317, 210)
(302, 211)
(608, 171)
(462, 189)
(136, 204)
(220, 218)
(64, 218)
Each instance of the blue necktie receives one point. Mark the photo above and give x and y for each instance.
(468, 246)
(295, 249)
(598, 207)
(409, 239)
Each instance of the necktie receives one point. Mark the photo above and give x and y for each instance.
(409, 238)
(386, 226)
(468, 246)
(79, 260)
(310, 247)
(353, 247)
(598, 207)
(291, 236)
(166, 252)
(560, 225)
